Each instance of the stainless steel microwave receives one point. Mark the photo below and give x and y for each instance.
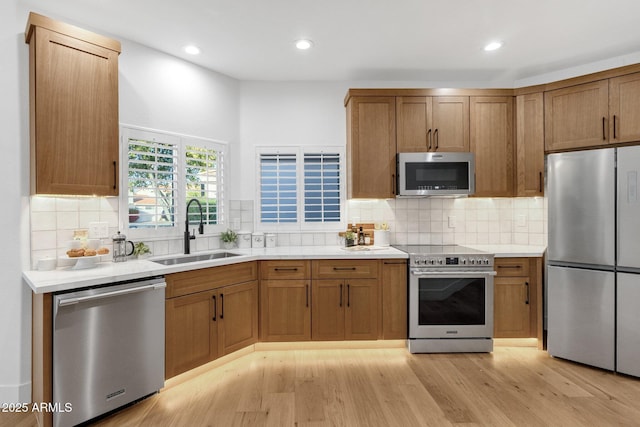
(436, 174)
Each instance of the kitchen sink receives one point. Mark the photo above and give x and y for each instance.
(194, 258)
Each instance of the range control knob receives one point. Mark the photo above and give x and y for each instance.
(472, 261)
(463, 261)
(440, 261)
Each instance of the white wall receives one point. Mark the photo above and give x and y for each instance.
(156, 91)
(15, 299)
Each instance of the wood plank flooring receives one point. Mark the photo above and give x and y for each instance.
(513, 386)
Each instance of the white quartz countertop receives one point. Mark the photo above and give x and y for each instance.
(65, 279)
(511, 251)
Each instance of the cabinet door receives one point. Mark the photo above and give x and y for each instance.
(327, 319)
(74, 112)
(394, 299)
(576, 117)
(371, 147)
(511, 307)
(285, 310)
(413, 117)
(361, 309)
(237, 317)
(624, 108)
(450, 123)
(191, 332)
(530, 145)
(492, 142)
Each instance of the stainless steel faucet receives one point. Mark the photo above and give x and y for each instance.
(188, 236)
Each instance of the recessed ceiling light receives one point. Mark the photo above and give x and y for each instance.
(192, 50)
(493, 46)
(304, 44)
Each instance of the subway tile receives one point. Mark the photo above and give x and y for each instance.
(43, 240)
(42, 204)
(41, 221)
(67, 220)
(66, 204)
(88, 204)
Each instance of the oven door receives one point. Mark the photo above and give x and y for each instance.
(450, 304)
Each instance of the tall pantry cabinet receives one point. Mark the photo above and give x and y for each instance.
(73, 79)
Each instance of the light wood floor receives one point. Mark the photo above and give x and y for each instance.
(513, 386)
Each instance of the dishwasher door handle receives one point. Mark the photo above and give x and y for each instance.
(76, 300)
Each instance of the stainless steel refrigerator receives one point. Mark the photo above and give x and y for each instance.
(594, 258)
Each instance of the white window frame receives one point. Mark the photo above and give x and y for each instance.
(181, 141)
(301, 224)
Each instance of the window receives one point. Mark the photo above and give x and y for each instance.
(300, 187)
(162, 173)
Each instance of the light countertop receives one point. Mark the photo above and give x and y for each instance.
(511, 251)
(64, 279)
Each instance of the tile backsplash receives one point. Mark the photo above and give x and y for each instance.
(411, 221)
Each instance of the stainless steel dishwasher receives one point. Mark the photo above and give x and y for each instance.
(108, 348)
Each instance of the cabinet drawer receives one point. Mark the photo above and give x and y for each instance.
(204, 279)
(285, 270)
(345, 268)
(512, 266)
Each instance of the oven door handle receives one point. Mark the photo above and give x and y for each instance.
(461, 274)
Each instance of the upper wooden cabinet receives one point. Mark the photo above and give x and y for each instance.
(492, 135)
(593, 114)
(576, 117)
(530, 145)
(73, 78)
(371, 147)
(624, 108)
(439, 123)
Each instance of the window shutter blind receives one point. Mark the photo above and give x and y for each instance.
(152, 183)
(321, 187)
(203, 182)
(278, 188)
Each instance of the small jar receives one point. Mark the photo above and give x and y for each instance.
(270, 240)
(257, 240)
(244, 239)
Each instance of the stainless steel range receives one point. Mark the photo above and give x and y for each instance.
(450, 299)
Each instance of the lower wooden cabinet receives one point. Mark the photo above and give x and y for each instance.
(205, 325)
(345, 309)
(518, 298)
(285, 310)
(191, 336)
(237, 317)
(394, 299)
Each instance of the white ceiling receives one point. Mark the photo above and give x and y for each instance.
(388, 40)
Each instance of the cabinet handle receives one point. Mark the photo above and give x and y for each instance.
(341, 295)
(509, 266)
(604, 136)
(527, 300)
(393, 184)
(307, 291)
(614, 126)
(541, 180)
(115, 174)
(348, 295)
(429, 139)
(222, 306)
(215, 308)
(344, 269)
(286, 269)
(435, 136)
